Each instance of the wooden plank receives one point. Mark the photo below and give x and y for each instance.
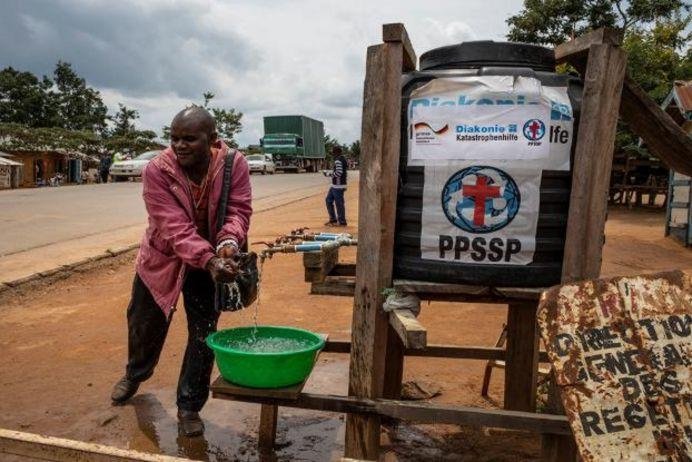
(267, 428)
(440, 351)
(603, 89)
(319, 264)
(662, 135)
(423, 412)
(343, 269)
(394, 367)
(521, 363)
(313, 275)
(409, 286)
(380, 141)
(292, 392)
(331, 286)
(592, 162)
(411, 332)
(492, 363)
(519, 293)
(579, 47)
(396, 32)
(38, 447)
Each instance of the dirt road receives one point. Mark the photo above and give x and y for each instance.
(64, 346)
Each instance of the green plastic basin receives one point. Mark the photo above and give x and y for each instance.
(264, 370)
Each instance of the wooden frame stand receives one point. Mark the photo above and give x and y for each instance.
(376, 353)
(381, 340)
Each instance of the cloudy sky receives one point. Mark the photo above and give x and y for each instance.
(262, 57)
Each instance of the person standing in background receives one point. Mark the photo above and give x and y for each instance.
(335, 196)
(104, 167)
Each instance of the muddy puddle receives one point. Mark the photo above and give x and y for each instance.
(302, 435)
(231, 426)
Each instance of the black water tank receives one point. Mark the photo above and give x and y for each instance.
(485, 58)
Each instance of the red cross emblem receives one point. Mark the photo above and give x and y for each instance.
(534, 128)
(480, 192)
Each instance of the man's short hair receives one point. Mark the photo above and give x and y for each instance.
(336, 150)
(199, 115)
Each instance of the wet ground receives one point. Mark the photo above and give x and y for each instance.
(64, 345)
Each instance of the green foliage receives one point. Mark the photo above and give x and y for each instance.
(63, 113)
(135, 143)
(64, 102)
(551, 22)
(228, 124)
(654, 38)
(253, 149)
(330, 143)
(123, 121)
(23, 98)
(355, 149)
(653, 59)
(228, 121)
(78, 107)
(20, 137)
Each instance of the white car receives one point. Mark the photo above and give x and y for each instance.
(124, 169)
(263, 163)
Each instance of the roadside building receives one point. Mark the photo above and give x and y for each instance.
(678, 105)
(42, 166)
(10, 172)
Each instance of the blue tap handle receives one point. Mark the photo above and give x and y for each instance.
(308, 247)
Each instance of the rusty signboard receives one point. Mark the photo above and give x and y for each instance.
(622, 355)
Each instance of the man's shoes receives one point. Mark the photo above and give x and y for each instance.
(341, 225)
(123, 390)
(189, 423)
(331, 223)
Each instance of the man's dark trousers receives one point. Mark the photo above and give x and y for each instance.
(335, 196)
(147, 328)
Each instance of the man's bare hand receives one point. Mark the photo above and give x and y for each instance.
(222, 270)
(227, 252)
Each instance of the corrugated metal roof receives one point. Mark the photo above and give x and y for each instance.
(683, 95)
(6, 161)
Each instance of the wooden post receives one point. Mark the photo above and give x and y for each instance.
(603, 82)
(521, 365)
(662, 135)
(394, 367)
(603, 79)
(267, 428)
(380, 141)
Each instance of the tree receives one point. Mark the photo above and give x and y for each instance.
(124, 121)
(23, 98)
(653, 56)
(78, 106)
(355, 149)
(654, 38)
(208, 96)
(330, 143)
(228, 124)
(554, 21)
(64, 102)
(228, 121)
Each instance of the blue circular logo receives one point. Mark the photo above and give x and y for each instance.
(480, 199)
(534, 129)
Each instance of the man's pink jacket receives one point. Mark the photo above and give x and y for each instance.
(171, 244)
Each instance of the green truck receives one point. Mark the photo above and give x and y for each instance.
(295, 142)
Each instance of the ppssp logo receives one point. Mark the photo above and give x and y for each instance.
(534, 129)
(480, 199)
